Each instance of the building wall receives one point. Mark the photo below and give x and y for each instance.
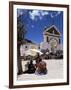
(51, 37)
(47, 43)
(26, 47)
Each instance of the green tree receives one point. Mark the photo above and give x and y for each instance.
(20, 40)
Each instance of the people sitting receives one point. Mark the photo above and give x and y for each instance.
(41, 68)
(38, 68)
(30, 68)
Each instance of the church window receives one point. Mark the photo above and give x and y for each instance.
(47, 39)
(59, 41)
(25, 46)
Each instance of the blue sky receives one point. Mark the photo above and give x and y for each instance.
(36, 20)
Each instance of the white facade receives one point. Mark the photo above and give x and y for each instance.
(52, 40)
(26, 47)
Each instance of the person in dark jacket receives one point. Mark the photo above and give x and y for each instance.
(31, 68)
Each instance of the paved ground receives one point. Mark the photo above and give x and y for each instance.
(55, 71)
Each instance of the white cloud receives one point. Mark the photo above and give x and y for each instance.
(52, 15)
(37, 13)
(59, 12)
(33, 14)
(44, 13)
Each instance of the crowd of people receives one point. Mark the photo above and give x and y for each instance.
(38, 68)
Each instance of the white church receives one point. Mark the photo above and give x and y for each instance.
(52, 39)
